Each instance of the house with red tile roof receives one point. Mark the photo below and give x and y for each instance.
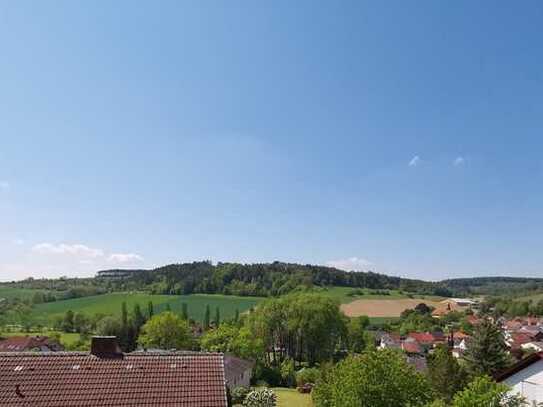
(412, 347)
(518, 339)
(107, 377)
(425, 339)
(473, 320)
(29, 344)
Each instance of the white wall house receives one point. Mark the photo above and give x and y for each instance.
(526, 378)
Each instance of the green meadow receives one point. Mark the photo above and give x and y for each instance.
(110, 304)
(10, 292)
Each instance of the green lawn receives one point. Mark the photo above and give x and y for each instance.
(111, 304)
(292, 398)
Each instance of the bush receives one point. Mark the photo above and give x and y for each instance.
(271, 376)
(307, 375)
(239, 394)
(261, 398)
(288, 374)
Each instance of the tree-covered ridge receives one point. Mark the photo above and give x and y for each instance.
(265, 279)
(494, 285)
(260, 279)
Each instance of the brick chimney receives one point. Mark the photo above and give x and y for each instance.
(106, 347)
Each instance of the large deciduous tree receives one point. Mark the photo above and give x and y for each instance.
(484, 392)
(166, 331)
(374, 379)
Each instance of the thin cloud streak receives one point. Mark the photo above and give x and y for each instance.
(414, 161)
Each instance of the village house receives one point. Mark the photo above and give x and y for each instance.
(517, 339)
(107, 377)
(412, 347)
(390, 341)
(460, 343)
(30, 344)
(453, 304)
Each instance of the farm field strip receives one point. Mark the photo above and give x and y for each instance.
(382, 308)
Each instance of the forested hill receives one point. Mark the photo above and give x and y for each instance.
(494, 285)
(263, 279)
(271, 279)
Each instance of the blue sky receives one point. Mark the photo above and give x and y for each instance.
(403, 137)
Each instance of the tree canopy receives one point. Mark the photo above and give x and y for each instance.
(486, 353)
(303, 327)
(374, 379)
(166, 331)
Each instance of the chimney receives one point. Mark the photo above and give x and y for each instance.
(106, 347)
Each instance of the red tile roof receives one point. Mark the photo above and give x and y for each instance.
(473, 320)
(460, 335)
(411, 347)
(422, 337)
(84, 380)
(27, 343)
(519, 339)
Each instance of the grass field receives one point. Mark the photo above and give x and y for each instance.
(111, 304)
(373, 303)
(342, 294)
(532, 297)
(10, 292)
(292, 398)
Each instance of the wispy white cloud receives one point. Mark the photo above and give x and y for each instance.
(85, 253)
(18, 241)
(459, 161)
(4, 185)
(125, 258)
(77, 250)
(414, 161)
(351, 264)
